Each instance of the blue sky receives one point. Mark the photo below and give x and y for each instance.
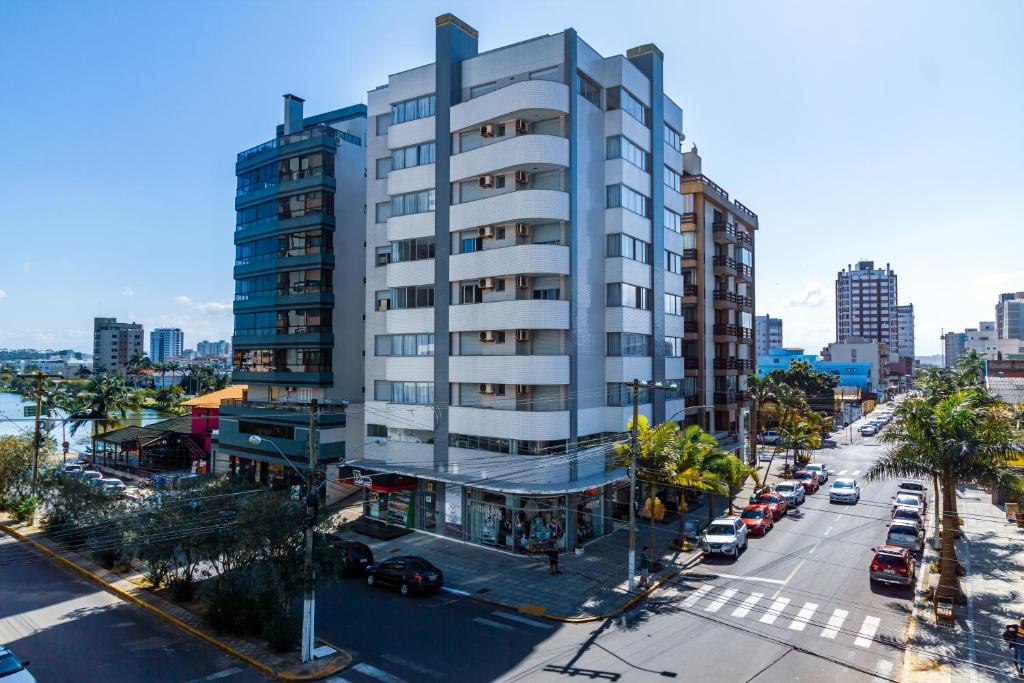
(870, 130)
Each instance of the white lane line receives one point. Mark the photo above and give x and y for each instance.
(224, 674)
(804, 616)
(774, 611)
(791, 575)
(723, 575)
(493, 624)
(883, 669)
(867, 631)
(697, 595)
(455, 591)
(829, 530)
(815, 546)
(842, 473)
(748, 604)
(522, 620)
(401, 661)
(374, 672)
(720, 601)
(835, 622)
(855, 473)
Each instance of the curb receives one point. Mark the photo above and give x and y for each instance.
(124, 595)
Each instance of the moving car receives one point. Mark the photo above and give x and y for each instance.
(725, 536)
(844, 490)
(355, 556)
(808, 479)
(905, 533)
(793, 492)
(758, 518)
(13, 670)
(908, 500)
(410, 573)
(892, 564)
(769, 437)
(776, 502)
(821, 469)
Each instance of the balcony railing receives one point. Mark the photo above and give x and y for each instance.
(744, 364)
(282, 140)
(745, 301)
(746, 333)
(723, 228)
(689, 254)
(745, 239)
(744, 209)
(725, 363)
(725, 396)
(689, 290)
(723, 261)
(690, 327)
(691, 363)
(726, 330)
(689, 217)
(288, 406)
(744, 270)
(725, 295)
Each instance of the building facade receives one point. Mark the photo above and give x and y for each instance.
(114, 344)
(860, 375)
(767, 334)
(213, 349)
(166, 343)
(983, 339)
(866, 304)
(1010, 316)
(905, 331)
(876, 355)
(954, 344)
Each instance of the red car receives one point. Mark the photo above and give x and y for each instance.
(773, 501)
(808, 479)
(758, 518)
(893, 564)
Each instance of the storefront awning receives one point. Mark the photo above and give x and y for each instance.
(385, 482)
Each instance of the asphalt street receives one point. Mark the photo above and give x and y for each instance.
(71, 630)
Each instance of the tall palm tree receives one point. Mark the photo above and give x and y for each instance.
(737, 476)
(136, 364)
(105, 399)
(654, 459)
(688, 471)
(172, 367)
(761, 391)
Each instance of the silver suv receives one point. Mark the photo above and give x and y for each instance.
(725, 536)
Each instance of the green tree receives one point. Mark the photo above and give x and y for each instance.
(654, 461)
(818, 388)
(106, 399)
(761, 391)
(15, 463)
(688, 472)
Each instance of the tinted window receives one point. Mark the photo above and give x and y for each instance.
(752, 514)
(721, 530)
(889, 560)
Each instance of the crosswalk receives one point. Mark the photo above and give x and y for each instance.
(843, 473)
(782, 612)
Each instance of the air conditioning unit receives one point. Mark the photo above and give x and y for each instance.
(522, 127)
(522, 177)
(487, 232)
(523, 229)
(523, 388)
(486, 181)
(522, 335)
(523, 281)
(487, 283)
(487, 130)
(488, 336)
(487, 388)
(382, 305)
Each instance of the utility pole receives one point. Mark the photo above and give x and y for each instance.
(37, 441)
(309, 601)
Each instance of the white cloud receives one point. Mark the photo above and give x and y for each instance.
(183, 300)
(813, 296)
(214, 308)
(128, 291)
(3, 295)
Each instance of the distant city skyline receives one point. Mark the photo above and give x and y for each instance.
(834, 102)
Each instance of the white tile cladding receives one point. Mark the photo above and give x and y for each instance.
(627, 369)
(413, 225)
(509, 369)
(623, 220)
(408, 273)
(548, 97)
(624, 319)
(527, 314)
(409, 320)
(618, 122)
(400, 416)
(522, 205)
(674, 367)
(525, 258)
(674, 326)
(619, 269)
(409, 369)
(523, 469)
(619, 171)
(521, 150)
(411, 132)
(411, 179)
(509, 424)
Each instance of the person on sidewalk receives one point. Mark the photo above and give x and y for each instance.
(552, 553)
(645, 567)
(1015, 637)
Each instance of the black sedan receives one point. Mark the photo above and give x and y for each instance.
(411, 574)
(355, 556)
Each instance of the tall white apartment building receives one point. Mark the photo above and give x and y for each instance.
(866, 304)
(114, 344)
(767, 334)
(905, 330)
(525, 232)
(165, 343)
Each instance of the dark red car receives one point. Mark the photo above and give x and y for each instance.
(893, 564)
(758, 518)
(808, 479)
(773, 501)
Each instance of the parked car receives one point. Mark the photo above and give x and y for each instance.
(91, 475)
(908, 500)
(758, 518)
(113, 487)
(409, 573)
(725, 536)
(892, 564)
(808, 479)
(13, 670)
(913, 514)
(69, 468)
(769, 437)
(355, 556)
(868, 430)
(820, 468)
(914, 487)
(793, 491)
(905, 533)
(776, 502)
(844, 490)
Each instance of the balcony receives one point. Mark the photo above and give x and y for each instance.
(725, 330)
(521, 205)
(745, 239)
(723, 232)
(690, 327)
(311, 138)
(691, 363)
(516, 260)
(409, 273)
(523, 423)
(724, 296)
(744, 365)
(689, 254)
(744, 271)
(524, 99)
(537, 152)
(725, 265)
(728, 363)
(689, 290)
(725, 397)
(744, 301)
(689, 217)
(526, 314)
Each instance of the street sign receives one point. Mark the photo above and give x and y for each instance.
(67, 446)
(30, 411)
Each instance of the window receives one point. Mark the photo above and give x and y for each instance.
(673, 262)
(630, 296)
(383, 121)
(552, 73)
(549, 294)
(411, 393)
(257, 179)
(382, 256)
(412, 202)
(628, 198)
(305, 243)
(673, 347)
(404, 344)
(271, 431)
(672, 138)
(621, 244)
(416, 296)
(470, 294)
(382, 212)
(414, 155)
(673, 304)
(290, 321)
(282, 360)
(629, 344)
(483, 89)
(306, 166)
(247, 217)
(383, 167)
(480, 443)
(620, 394)
(672, 179)
(417, 249)
(689, 240)
(416, 108)
(688, 204)
(620, 98)
(590, 90)
(376, 431)
(619, 147)
(311, 281)
(672, 220)
(306, 204)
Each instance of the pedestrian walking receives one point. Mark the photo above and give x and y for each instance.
(1014, 635)
(552, 553)
(645, 566)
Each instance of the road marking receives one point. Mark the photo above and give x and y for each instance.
(401, 661)
(522, 620)
(722, 598)
(374, 672)
(748, 578)
(455, 591)
(835, 622)
(224, 674)
(774, 611)
(815, 546)
(867, 631)
(493, 624)
(842, 473)
(883, 669)
(855, 473)
(697, 595)
(791, 575)
(748, 604)
(804, 616)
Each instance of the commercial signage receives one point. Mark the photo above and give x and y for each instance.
(30, 411)
(359, 479)
(453, 508)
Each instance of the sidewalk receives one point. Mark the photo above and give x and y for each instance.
(132, 588)
(992, 552)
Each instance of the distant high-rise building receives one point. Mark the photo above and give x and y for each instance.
(768, 334)
(213, 349)
(165, 343)
(1010, 316)
(953, 346)
(983, 339)
(866, 304)
(114, 344)
(905, 336)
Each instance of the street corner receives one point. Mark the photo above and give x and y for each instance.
(328, 660)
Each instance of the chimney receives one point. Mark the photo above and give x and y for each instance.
(292, 114)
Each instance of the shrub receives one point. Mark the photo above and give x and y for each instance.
(181, 590)
(156, 572)
(282, 631)
(26, 508)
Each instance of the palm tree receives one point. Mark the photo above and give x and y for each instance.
(136, 364)
(970, 368)
(172, 367)
(105, 399)
(654, 458)
(737, 476)
(688, 472)
(961, 438)
(761, 391)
